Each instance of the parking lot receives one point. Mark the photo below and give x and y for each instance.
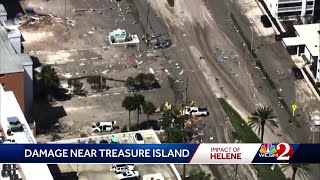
(102, 171)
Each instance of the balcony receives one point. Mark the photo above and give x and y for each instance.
(289, 9)
(288, 1)
(310, 7)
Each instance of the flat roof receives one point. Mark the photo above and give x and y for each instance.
(309, 34)
(10, 109)
(167, 171)
(10, 61)
(293, 41)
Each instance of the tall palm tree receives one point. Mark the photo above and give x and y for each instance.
(139, 101)
(148, 108)
(300, 170)
(262, 115)
(130, 105)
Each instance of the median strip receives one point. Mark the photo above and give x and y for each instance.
(245, 134)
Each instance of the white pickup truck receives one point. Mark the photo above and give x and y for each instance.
(195, 111)
(103, 126)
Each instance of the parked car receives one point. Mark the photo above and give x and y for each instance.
(122, 168)
(195, 111)
(296, 72)
(103, 126)
(104, 142)
(138, 138)
(128, 175)
(163, 44)
(265, 21)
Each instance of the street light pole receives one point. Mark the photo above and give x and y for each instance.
(187, 84)
(65, 9)
(145, 34)
(251, 38)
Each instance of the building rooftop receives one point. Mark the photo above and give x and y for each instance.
(15, 129)
(309, 34)
(147, 171)
(10, 61)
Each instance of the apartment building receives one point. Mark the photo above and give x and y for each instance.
(15, 129)
(16, 68)
(291, 9)
(306, 44)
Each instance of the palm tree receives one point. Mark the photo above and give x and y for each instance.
(130, 105)
(260, 117)
(148, 108)
(139, 100)
(300, 170)
(49, 81)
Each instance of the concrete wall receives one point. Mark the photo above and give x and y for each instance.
(16, 44)
(15, 82)
(28, 88)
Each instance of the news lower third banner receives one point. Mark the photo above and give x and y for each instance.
(281, 153)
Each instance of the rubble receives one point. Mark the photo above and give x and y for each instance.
(80, 10)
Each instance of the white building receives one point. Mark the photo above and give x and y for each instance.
(306, 44)
(18, 132)
(290, 9)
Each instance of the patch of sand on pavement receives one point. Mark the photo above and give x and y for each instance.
(57, 58)
(32, 37)
(206, 70)
(251, 9)
(305, 98)
(183, 12)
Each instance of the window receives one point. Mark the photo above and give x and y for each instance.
(2, 75)
(309, 12)
(310, 3)
(289, 5)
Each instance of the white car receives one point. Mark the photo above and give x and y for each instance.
(138, 138)
(195, 111)
(122, 168)
(103, 126)
(128, 174)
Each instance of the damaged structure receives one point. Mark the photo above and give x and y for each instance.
(121, 37)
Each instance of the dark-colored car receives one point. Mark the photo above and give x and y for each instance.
(104, 142)
(296, 72)
(163, 44)
(265, 21)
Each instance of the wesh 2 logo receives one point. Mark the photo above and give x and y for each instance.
(281, 151)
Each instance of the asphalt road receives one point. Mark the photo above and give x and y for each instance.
(272, 54)
(217, 128)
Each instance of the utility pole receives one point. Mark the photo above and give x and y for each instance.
(184, 165)
(187, 84)
(251, 39)
(145, 34)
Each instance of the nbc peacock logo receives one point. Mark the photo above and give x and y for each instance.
(267, 150)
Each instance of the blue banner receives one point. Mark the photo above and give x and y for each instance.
(97, 153)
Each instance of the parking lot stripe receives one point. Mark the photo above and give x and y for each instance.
(94, 58)
(116, 93)
(83, 59)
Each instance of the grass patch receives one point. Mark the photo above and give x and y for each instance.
(246, 135)
(243, 131)
(171, 3)
(306, 60)
(266, 173)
